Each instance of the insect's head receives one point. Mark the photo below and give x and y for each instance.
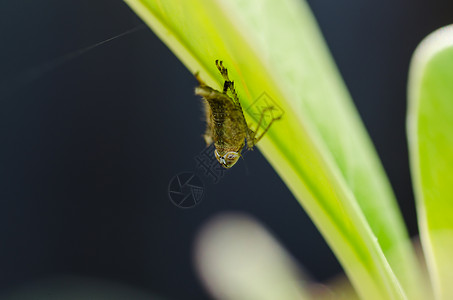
(228, 160)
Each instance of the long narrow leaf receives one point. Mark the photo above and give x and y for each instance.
(430, 132)
(319, 148)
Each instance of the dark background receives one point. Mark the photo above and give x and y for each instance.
(88, 144)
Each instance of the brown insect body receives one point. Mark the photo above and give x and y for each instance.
(226, 124)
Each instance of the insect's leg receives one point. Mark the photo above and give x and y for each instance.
(256, 139)
(226, 86)
(266, 129)
(223, 71)
(235, 95)
(228, 83)
(252, 134)
(197, 77)
(207, 137)
(208, 132)
(250, 137)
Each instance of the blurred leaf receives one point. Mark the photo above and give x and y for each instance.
(430, 132)
(319, 148)
(238, 259)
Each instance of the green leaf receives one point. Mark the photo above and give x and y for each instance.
(430, 132)
(319, 148)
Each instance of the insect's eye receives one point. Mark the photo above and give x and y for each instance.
(231, 158)
(228, 160)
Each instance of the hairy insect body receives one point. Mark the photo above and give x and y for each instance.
(226, 124)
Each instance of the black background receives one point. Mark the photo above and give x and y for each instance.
(88, 144)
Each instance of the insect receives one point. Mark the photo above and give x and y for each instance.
(226, 124)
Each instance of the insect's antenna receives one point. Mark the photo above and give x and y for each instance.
(30, 75)
(197, 77)
(247, 172)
